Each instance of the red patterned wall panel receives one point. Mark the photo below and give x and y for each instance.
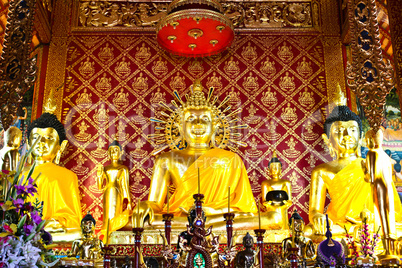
(115, 82)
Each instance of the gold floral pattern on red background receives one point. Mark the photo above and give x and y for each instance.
(278, 80)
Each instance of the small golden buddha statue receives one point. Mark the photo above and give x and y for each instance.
(9, 155)
(343, 177)
(277, 210)
(89, 247)
(201, 158)
(113, 180)
(306, 249)
(57, 186)
(378, 171)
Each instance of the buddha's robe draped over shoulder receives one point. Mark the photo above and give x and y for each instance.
(219, 169)
(350, 193)
(58, 189)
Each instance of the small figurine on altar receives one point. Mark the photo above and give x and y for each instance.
(114, 180)
(276, 195)
(89, 247)
(248, 257)
(306, 248)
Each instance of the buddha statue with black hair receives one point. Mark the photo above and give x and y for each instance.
(89, 246)
(113, 180)
(276, 195)
(306, 249)
(57, 186)
(342, 178)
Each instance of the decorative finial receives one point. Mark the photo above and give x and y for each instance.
(339, 98)
(274, 154)
(50, 105)
(328, 234)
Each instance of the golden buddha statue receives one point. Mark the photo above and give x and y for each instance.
(343, 177)
(88, 247)
(277, 210)
(57, 186)
(197, 121)
(306, 249)
(9, 155)
(113, 179)
(378, 170)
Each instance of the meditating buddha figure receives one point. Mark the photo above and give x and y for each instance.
(279, 194)
(113, 180)
(89, 246)
(217, 169)
(343, 177)
(378, 170)
(57, 186)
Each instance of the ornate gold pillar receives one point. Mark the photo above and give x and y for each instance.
(395, 24)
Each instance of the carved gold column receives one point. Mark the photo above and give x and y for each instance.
(395, 24)
(55, 73)
(17, 70)
(367, 75)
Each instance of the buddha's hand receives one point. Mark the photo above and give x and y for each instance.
(319, 223)
(145, 212)
(99, 170)
(365, 171)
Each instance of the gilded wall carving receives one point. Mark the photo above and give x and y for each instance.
(254, 14)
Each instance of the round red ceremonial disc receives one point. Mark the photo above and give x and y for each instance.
(193, 35)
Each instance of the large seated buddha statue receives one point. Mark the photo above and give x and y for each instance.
(343, 177)
(197, 153)
(57, 186)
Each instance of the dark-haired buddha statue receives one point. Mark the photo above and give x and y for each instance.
(57, 186)
(89, 247)
(343, 177)
(198, 154)
(276, 195)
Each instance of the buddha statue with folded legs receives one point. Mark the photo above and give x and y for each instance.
(196, 154)
(57, 186)
(113, 180)
(343, 177)
(88, 247)
(378, 170)
(305, 247)
(276, 195)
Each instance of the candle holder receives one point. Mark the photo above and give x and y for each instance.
(293, 257)
(167, 218)
(198, 203)
(137, 244)
(107, 250)
(259, 233)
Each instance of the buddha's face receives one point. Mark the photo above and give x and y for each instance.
(197, 126)
(87, 227)
(275, 169)
(248, 242)
(47, 147)
(114, 153)
(344, 136)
